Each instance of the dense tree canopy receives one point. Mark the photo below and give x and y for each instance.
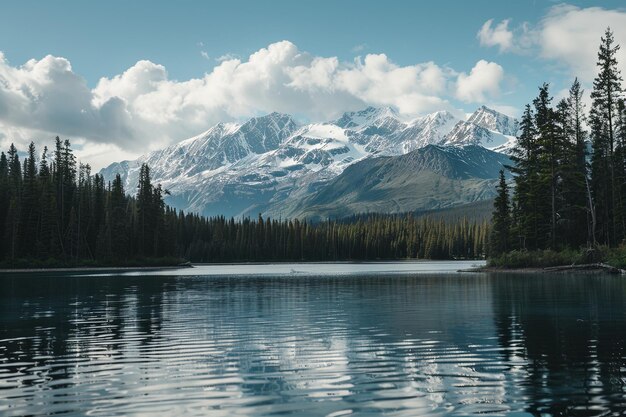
(564, 196)
(55, 211)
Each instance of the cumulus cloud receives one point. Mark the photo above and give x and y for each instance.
(483, 81)
(226, 57)
(143, 109)
(567, 35)
(519, 39)
(571, 35)
(46, 95)
(499, 36)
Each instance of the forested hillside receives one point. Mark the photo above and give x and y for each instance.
(54, 212)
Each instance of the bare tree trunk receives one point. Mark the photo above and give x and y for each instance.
(592, 211)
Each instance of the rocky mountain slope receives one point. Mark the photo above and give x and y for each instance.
(270, 164)
(487, 128)
(432, 177)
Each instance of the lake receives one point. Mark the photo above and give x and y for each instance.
(401, 339)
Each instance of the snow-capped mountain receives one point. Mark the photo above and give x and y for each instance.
(382, 130)
(428, 178)
(267, 162)
(487, 128)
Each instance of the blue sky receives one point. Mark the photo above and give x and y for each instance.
(186, 40)
(105, 38)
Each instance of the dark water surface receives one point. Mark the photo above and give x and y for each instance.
(384, 343)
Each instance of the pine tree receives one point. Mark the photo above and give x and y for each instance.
(4, 201)
(30, 205)
(575, 200)
(11, 236)
(580, 165)
(525, 169)
(118, 220)
(145, 212)
(620, 164)
(49, 242)
(550, 152)
(605, 95)
(14, 172)
(501, 219)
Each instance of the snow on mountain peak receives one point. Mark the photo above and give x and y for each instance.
(220, 128)
(485, 127)
(367, 116)
(494, 120)
(235, 168)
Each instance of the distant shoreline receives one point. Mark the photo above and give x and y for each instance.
(597, 268)
(94, 268)
(192, 265)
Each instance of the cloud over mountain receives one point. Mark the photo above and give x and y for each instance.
(142, 108)
(483, 81)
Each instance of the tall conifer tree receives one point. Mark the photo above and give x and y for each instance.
(500, 239)
(605, 95)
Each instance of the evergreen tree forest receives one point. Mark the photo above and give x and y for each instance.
(569, 168)
(55, 212)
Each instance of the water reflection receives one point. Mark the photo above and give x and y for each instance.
(571, 332)
(399, 345)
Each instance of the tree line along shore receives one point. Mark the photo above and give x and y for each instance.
(567, 204)
(55, 213)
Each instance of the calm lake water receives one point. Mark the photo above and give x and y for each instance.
(404, 339)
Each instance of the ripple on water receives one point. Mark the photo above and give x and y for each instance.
(331, 346)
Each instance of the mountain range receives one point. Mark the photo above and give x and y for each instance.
(373, 160)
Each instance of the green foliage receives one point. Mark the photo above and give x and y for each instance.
(60, 215)
(615, 257)
(537, 258)
(560, 201)
(361, 238)
(607, 168)
(500, 239)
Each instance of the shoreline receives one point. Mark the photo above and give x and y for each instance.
(355, 262)
(596, 268)
(79, 269)
(94, 269)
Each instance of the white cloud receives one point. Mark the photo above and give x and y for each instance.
(482, 82)
(204, 55)
(567, 35)
(142, 109)
(142, 77)
(499, 35)
(571, 35)
(519, 39)
(227, 57)
(47, 96)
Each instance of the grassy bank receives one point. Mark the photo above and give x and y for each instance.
(516, 259)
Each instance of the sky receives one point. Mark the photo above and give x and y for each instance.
(122, 78)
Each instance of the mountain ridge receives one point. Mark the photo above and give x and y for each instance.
(240, 169)
(427, 178)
